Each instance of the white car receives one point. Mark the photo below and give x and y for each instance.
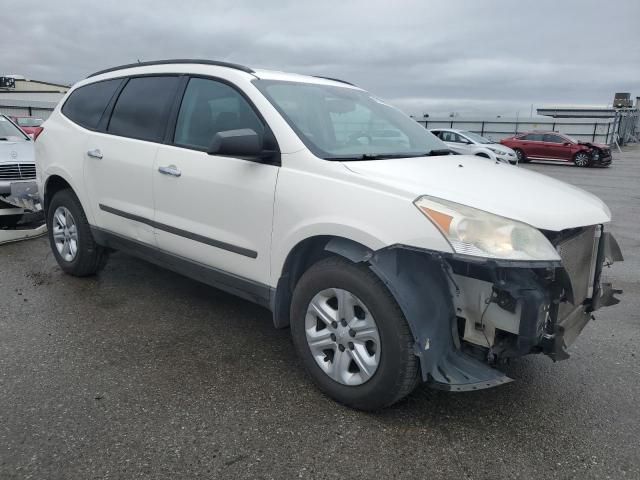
(391, 261)
(469, 143)
(17, 163)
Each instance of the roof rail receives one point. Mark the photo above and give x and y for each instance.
(175, 61)
(335, 80)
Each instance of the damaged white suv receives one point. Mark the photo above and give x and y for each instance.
(392, 261)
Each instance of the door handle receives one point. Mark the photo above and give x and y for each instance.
(170, 170)
(95, 153)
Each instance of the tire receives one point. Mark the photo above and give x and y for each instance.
(89, 257)
(9, 221)
(582, 159)
(397, 371)
(522, 157)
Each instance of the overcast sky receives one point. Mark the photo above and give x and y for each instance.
(470, 57)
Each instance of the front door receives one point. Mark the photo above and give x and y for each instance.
(216, 210)
(557, 147)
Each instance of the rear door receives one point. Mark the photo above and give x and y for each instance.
(216, 210)
(531, 144)
(120, 157)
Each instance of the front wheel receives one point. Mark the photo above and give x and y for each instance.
(70, 236)
(352, 336)
(582, 159)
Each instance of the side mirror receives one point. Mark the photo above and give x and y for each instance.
(566, 144)
(244, 142)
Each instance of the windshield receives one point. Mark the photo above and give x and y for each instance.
(29, 122)
(340, 123)
(477, 138)
(9, 132)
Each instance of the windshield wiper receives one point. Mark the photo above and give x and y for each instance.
(4, 139)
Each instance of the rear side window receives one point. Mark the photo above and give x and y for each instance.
(532, 137)
(142, 108)
(209, 107)
(86, 105)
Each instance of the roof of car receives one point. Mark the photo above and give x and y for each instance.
(258, 73)
(454, 130)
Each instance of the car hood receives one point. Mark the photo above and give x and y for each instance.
(16, 152)
(498, 188)
(499, 146)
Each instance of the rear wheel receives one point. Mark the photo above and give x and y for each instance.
(352, 336)
(70, 236)
(582, 159)
(522, 158)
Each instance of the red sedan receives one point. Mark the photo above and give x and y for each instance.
(558, 147)
(29, 125)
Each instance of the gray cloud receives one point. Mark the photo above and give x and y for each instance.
(424, 56)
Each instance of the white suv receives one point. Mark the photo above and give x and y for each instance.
(392, 261)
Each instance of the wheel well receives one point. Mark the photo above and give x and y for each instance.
(54, 184)
(301, 257)
(482, 155)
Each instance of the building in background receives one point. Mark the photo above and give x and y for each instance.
(20, 96)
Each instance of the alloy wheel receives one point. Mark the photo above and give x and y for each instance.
(65, 234)
(582, 160)
(342, 336)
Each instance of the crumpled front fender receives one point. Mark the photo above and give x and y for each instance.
(418, 282)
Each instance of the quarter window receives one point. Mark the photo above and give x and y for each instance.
(142, 108)
(209, 107)
(86, 105)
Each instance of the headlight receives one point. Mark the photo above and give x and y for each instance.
(497, 151)
(474, 232)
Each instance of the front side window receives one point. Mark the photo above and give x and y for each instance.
(477, 138)
(342, 123)
(86, 105)
(209, 107)
(142, 108)
(554, 138)
(532, 137)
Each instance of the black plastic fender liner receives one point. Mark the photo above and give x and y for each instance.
(418, 282)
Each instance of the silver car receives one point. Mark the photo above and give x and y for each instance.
(17, 162)
(469, 143)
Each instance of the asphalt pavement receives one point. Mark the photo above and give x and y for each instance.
(141, 373)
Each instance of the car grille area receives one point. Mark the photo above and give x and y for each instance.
(17, 171)
(579, 254)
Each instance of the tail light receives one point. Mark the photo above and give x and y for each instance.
(37, 132)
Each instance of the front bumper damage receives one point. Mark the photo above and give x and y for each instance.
(471, 315)
(22, 194)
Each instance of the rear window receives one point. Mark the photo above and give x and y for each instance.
(86, 105)
(142, 108)
(29, 122)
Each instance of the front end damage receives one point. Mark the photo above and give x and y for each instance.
(470, 315)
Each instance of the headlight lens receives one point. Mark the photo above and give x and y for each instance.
(475, 232)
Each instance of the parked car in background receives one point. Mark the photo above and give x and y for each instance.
(30, 125)
(469, 143)
(391, 263)
(17, 162)
(557, 146)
